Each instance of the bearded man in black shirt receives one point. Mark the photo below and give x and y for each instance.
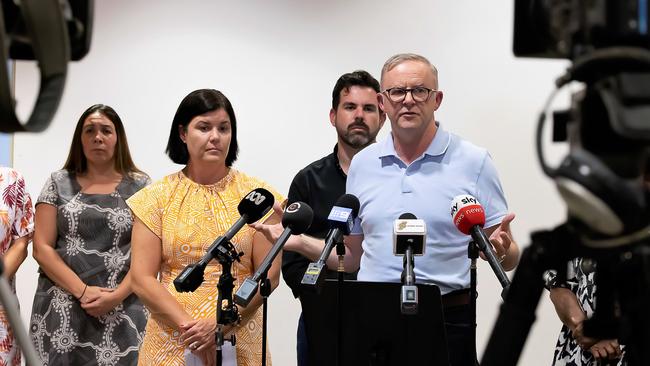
(356, 116)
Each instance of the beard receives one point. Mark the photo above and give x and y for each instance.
(357, 138)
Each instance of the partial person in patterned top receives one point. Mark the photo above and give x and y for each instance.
(177, 219)
(84, 311)
(16, 228)
(575, 301)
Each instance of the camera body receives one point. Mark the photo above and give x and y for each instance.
(604, 179)
(608, 124)
(570, 28)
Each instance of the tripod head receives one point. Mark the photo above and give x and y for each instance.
(602, 177)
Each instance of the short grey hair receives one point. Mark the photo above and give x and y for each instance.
(403, 57)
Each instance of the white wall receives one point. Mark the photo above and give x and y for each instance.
(277, 61)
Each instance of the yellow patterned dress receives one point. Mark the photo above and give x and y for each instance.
(188, 216)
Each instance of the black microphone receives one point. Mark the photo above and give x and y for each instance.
(341, 221)
(296, 220)
(409, 239)
(251, 208)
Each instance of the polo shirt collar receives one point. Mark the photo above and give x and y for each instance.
(437, 147)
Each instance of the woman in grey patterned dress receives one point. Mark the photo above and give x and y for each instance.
(84, 312)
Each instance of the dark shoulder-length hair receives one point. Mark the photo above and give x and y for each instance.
(195, 104)
(77, 161)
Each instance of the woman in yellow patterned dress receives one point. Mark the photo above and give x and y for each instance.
(177, 218)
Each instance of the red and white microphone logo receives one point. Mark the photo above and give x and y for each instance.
(466, 213)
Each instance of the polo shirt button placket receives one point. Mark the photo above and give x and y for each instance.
(407, 187)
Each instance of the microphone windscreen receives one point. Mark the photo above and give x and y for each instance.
(466, 213)
(407, 216)
(349, 201)
(255, 204)
(297, 216)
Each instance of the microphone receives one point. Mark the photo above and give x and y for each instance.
(251, 208)
(409, 239)
(341, 221)
(409, 231)
(296, 220)
(469, 217)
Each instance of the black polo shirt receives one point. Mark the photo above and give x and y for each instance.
(319, 184)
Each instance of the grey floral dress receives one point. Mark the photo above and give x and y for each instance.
(94, 240)
(580, 280)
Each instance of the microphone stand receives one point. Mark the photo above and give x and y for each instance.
(265, 291)
(409, 291)
(340, 251)
(8, 301)
(227, 312)
(249, 287)
(472, 254)
(473, 249)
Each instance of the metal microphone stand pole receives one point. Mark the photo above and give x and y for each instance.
(227, 312)
(8, 301)
(409, 291)
(265, 291)
(340, 251)
(472, 254)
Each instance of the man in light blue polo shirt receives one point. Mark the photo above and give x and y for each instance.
(419, 168)
(387, 187)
